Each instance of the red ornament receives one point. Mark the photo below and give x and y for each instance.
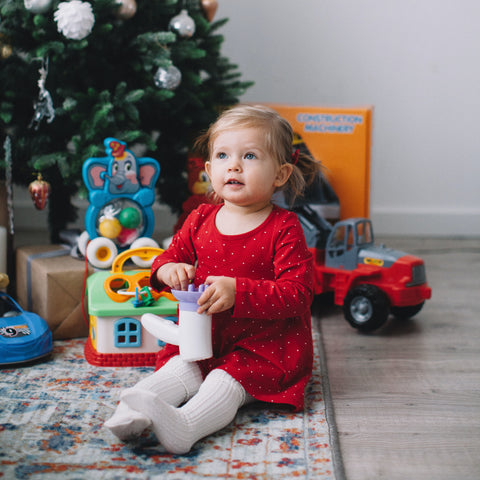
(39, 190)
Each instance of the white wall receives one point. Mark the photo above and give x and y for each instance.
(416, 61)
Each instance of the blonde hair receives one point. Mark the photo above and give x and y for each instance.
(278, 142)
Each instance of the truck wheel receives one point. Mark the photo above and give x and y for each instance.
(407, 312)
(366, 307)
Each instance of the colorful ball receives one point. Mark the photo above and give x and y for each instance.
(110, 228)
(127, 236)
(130, 217)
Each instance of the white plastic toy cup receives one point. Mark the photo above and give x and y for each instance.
(193, 334)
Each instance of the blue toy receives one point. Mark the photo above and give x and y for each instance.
(24, 336)
(121, 194)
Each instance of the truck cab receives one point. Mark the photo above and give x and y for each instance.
(346, 240)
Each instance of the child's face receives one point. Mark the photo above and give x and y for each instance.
(242, 171)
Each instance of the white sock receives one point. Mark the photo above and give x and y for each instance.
(174, 383)
(126, 423)
(212, 408)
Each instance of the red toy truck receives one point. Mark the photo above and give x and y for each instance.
(369, 281)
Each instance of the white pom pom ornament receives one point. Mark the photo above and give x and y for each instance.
(74, 19)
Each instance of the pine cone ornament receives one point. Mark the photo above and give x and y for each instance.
(74, 19)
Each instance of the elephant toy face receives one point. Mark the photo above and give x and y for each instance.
(120, 173)
(124, 176)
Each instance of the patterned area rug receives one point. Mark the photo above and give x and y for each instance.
(51, 418)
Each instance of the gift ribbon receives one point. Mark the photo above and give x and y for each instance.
(53, 253)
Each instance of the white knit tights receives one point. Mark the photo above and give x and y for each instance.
(212, 408)
(175, 383)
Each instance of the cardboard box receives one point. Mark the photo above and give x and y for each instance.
(340, 139)
(50, 283)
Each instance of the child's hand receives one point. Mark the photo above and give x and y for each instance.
(219, 296)
(176, 275)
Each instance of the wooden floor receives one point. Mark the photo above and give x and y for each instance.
(406, 399)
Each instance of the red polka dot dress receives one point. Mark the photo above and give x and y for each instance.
(265, 340)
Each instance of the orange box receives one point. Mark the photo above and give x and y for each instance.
(340, 139)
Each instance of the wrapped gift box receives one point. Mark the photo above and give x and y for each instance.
(50, 282)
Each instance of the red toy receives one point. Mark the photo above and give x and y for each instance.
(198, 186)
(369, 281)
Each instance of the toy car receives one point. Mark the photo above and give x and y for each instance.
(24, 336)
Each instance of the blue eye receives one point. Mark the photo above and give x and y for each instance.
(221, 155)
(250, 156)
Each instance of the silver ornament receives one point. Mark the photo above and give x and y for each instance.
(168, 77)
(37, 6)
(43, 107)
(7, 145)
(183, 24)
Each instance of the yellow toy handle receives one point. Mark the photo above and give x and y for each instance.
(145, 253)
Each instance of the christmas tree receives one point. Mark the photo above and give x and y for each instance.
(148, 72)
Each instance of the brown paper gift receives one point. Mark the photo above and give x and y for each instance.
(49, 282)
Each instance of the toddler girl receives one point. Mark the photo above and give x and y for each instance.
(253, 257)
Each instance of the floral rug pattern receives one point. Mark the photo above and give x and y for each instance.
(51, 426)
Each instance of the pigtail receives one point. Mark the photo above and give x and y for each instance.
(305, 171)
